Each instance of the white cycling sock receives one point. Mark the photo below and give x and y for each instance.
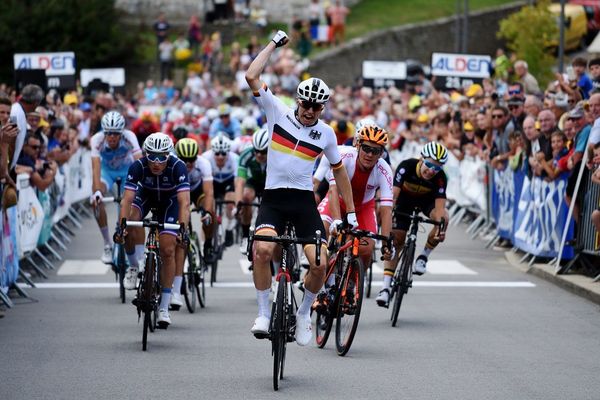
(105, 236)
(262, 298)
(177, 284)
(309, 298)
(387, 281)
(165, 299)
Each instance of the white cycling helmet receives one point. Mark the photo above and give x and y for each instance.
(436, 151)
(187, 107)
(313, 90)
(260, 139)
(212, 114)
(220, 143)
(113, 121)
(361, 124)
(158, 142)
(249, 123)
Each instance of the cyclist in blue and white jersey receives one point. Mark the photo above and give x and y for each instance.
(224, 164)
(158, 180)
(226, 123)
(114, 149)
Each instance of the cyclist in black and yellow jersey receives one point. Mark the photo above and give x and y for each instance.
(201, 195)
(418, 183)
(250, 180)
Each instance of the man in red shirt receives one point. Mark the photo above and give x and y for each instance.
(144, 126)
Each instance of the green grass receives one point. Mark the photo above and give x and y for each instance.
(370, 15)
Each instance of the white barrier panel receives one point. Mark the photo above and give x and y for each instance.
(452, 170)
(472, 182)
(61, 193)
(79, 185)
(30, 217)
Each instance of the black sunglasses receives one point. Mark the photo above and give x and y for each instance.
(309, 104)
(261, 151)
(371, 150)
(220, 153)
(497, 116)
(112, 133)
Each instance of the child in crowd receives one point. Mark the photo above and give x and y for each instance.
(596, 180)
(560, 154)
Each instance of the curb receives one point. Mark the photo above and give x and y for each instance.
(577, 284)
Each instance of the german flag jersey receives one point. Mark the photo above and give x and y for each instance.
(293, 147)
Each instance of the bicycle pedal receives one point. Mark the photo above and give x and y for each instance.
(174, 307)
(162, 325)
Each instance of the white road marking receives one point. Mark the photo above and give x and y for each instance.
(83, 267)
(437, 267)
(459, 284)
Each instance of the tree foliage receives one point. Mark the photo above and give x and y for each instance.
(528, 33)
(90, 28)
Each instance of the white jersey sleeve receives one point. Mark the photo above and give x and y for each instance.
(331, 148)
(205, 169)
(271, 104)
(322, 170)
(96, 143)
(385, 181)
(133, 141)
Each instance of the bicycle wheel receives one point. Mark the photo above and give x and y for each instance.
(147, 323)
(349, 306)
(121, 267)
(189, 284)
(147, 296)
(200, 280)
(324, 320)
(401, 284)
(369, 276)
(215, 257)
(278, 331)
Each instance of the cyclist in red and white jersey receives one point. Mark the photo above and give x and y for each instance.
(368, 172)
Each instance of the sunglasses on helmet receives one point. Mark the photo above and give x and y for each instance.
(158, 157)
(432, 166)
(310, 105)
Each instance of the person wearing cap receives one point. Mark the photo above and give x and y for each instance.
(516, 106)
(583, 129)
(70, 99)
(297, 138)
(225, 123)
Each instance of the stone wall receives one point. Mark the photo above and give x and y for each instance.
(343, 64)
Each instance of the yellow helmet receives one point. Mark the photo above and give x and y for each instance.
(186, 148)
(375, 134)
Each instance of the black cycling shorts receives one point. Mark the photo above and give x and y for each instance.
(294, 205)
(223, 187)
(196, 195)
(407, 204)
(323, 188)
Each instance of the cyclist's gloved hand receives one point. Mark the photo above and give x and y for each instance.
(120, 232)
(335, 226)
(206, 218)
(388, 253)
(183, 238)
(351, 220)
(441, 231)
(96, 198)
(280, 39)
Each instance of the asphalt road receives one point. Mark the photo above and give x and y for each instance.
(473, 327)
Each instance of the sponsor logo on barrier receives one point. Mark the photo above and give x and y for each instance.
(29, 216)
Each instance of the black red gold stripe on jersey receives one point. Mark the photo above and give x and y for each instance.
(286, 143)
(415, 189)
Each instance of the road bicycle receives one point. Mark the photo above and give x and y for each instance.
(402, 279)
(194, 276)
(342, 302)
(282, 326)
(148, 292)
(119, 261)
(218, 245)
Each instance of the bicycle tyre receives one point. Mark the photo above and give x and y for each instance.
(200, 280)
(369, 276)
(121, 267)
(188, 286)
(147, 324)
(148, 290)
(278, 331)
(215, 257)
(344, 318)
(324, 321)
(401, 286)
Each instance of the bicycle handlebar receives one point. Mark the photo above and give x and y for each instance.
(147, 223)
(110, 199)
(418, 218)
(286, 239)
